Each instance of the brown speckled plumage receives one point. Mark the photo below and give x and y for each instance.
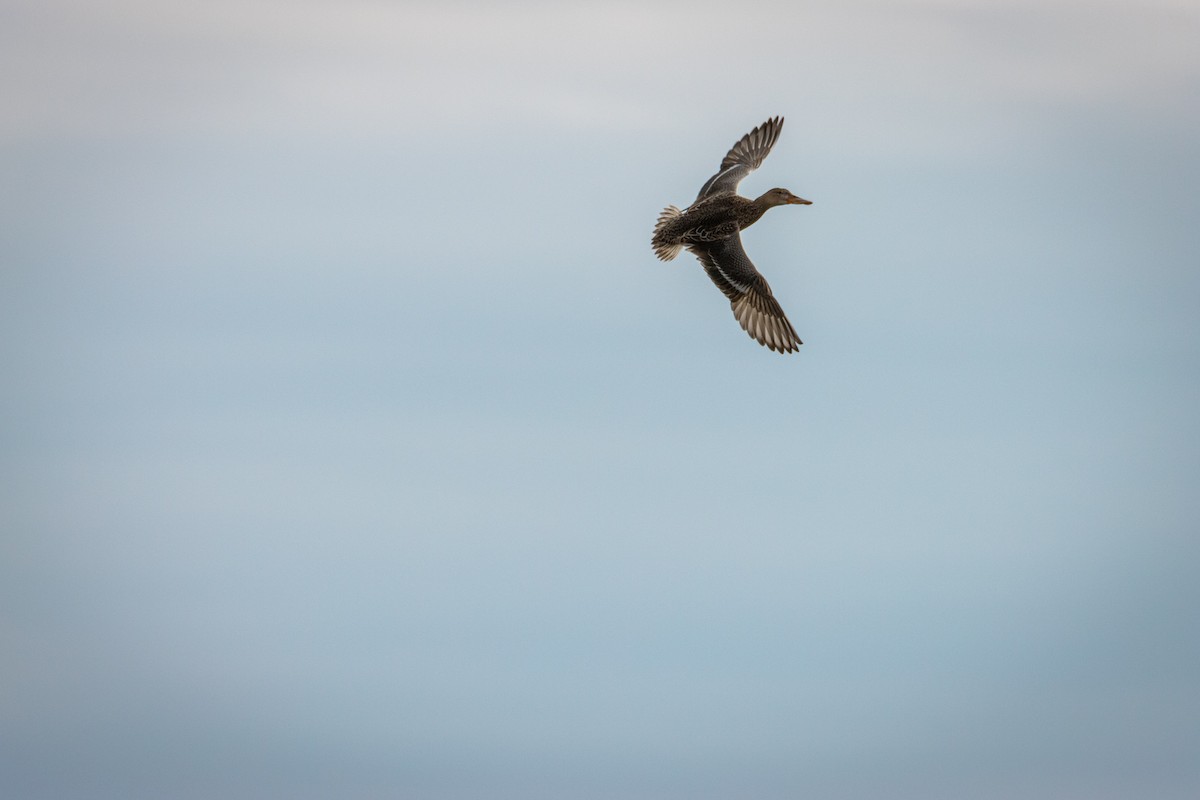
(711, 228)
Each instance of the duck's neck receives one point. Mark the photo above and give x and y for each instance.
(755, 209)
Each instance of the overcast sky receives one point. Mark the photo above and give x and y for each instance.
(354, 444)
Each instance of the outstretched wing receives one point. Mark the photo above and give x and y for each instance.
(754, 306)
(743, 158)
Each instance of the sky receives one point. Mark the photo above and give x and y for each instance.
(353, 443)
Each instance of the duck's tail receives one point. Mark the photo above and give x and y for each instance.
(663, 249)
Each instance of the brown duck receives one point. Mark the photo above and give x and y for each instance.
(710, 229)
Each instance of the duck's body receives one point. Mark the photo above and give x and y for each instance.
(711, 219)
(711, 228)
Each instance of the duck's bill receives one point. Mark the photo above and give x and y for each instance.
(799, 201)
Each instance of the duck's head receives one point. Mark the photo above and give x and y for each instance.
(782, 197)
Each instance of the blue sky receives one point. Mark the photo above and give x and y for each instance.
(356, 445)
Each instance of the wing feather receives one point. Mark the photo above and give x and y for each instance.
(754, 305)
(743, 158)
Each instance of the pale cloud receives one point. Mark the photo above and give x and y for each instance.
(390, 69)
(1071, 51)
(225, 68)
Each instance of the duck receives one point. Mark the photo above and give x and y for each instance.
(710, 229)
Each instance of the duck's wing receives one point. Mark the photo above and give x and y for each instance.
(743, 158)
(754, 306)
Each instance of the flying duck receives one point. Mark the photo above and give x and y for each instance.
(710, 228)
